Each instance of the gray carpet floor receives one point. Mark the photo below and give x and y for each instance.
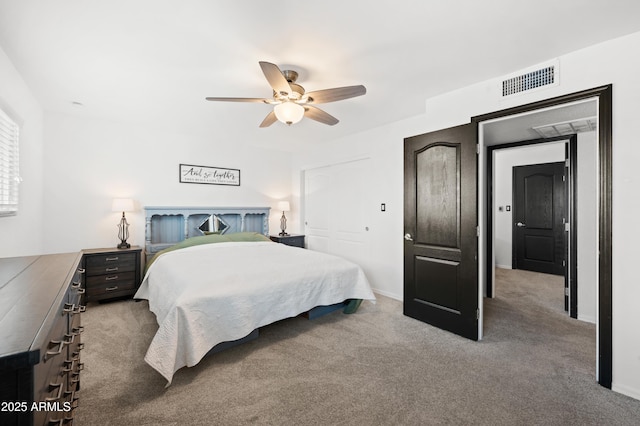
(535, 366)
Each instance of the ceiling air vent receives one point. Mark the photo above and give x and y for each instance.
(565, 128)
(529, 80)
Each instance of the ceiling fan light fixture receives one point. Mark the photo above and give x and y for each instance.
(289, 112)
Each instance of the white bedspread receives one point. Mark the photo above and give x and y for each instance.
(208, 294)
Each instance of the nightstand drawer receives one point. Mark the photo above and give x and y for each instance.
(112, 291)
(119, 278)
(297, 241)
(110, 263)
(290, 240)
(108, 286)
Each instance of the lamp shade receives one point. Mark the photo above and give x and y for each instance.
(122, 205)
(284, 206)
(289, 112)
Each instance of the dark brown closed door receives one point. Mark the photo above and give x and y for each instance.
(538, 228)
(440, 222)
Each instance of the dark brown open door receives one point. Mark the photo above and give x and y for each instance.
(440, 222)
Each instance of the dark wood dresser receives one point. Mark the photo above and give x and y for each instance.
(293, 240)
(40, 345)
(112, 273)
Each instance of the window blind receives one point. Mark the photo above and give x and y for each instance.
(9, 164)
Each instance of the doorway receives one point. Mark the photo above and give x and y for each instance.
(557, 253)
(602, 98)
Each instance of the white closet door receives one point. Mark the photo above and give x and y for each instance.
(336, 210)
(317, 187)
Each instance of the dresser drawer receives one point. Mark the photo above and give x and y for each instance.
(110, 263)
(48, 373)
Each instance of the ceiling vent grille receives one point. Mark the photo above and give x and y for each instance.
(531, 80)
(565, 128)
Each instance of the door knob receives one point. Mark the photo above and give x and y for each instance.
(408, 237)
(520, 225)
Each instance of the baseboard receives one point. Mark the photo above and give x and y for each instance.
(625, 390)
(587, 318)
(388, 294)
(504, 266)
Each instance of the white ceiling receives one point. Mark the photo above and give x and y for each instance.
(520, 127)
(152, 62)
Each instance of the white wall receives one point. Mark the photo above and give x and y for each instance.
(504, 161)
(592, 67)
(22, 234)
(90, 162)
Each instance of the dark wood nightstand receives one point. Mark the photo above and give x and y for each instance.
(111, 272)
(293, 240)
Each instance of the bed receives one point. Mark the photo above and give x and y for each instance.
(213, 278)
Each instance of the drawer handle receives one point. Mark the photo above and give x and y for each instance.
(115, 287)
(70, 396)
(51, 354)
(77, 285)
(60, 422)
(81, 270)
(52, 386)
(111, 259)
(115, 268)
(111, 278)
(70, 308)
(68, 365)
(77, 330)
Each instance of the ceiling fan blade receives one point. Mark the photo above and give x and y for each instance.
(319, 115)
(276, 79)
(337, 94)
(261, 100)
(269, 119)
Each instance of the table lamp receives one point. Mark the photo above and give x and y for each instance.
(123, 205)
(284, 206)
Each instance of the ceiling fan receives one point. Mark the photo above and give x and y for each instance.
(290, 101)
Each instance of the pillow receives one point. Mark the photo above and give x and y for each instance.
(246, 236)
(189, 242)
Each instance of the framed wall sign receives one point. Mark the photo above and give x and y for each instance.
(190, 173)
